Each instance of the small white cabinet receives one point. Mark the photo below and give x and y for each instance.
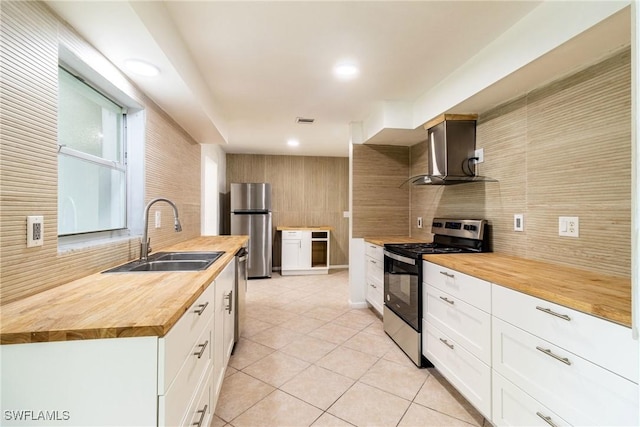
(305, 251)
(224, 324)
(374, 266)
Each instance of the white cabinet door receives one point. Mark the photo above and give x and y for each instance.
(223, 324)
(291, 254)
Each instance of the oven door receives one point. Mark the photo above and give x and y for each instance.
(402, 287)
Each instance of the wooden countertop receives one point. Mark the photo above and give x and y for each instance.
(608, 297)
(381, 240)
(115, 304)
(303, 228)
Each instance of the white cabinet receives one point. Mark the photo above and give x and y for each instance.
(374, 275)
(224, 324)
(456, 334)
(305, 251)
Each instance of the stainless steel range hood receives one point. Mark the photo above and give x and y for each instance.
(452, 145)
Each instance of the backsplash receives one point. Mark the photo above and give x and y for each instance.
(31, 34)
(304, 191)
(561, 150)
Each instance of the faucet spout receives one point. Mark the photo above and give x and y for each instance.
(144, 243)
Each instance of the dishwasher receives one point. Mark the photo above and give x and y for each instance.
(240, 291)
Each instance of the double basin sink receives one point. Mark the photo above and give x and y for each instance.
(170, 261)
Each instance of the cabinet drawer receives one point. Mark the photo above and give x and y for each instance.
(514, 407)
(288, 235)
(375, 297)
(602, 342)
(173, 405)
(465, 324)
(375, 270)
(177, 345)
(472, 290)
(201, 411)
(577, 390)
(374, 251)
(470, 376)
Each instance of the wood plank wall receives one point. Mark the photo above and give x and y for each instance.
(30, 35)
(561, 150)
(305, 191)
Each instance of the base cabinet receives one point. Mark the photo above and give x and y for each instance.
(141, 381)
(374, 276)
(305, 252)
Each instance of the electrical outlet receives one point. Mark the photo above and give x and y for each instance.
(158, 219)
(35, 231)
(518, 222)
(569, 226)
(479, 153)
(419, 222)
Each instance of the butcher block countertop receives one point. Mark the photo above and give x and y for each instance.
(608, 297)
(115, 304)
(303, 228)
(382, 240)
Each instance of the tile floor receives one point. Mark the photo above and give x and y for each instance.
(307, 359)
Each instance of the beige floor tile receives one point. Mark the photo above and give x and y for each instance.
(396, 379)
(303, 324)
(229, 371)
(375, 345)
(398, 356)
(217, 422)
(420, 416)
(239, 393)
(248, 352)
(356, 319)
(276, 369)
(252, 326)
(275, 337)
(308, 348)
(347, 362)
(326, 313)
(376, 328)
(318, 386)
(333, 333)
(363, 405)
(273, 315)
(438, 394)
(278, 410)
(328, 420)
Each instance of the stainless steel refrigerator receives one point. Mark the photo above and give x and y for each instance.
(251, 215)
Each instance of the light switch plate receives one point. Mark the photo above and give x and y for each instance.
(35, 231)
(569, 226)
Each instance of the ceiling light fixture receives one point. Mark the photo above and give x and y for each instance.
(141, 68)
(346, 70)
(293, 142)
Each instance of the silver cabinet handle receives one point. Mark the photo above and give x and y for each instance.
(202, 413)
(202, 347)
(548, 352)
(547, 419)
(445, 342)
(448, 274)
(373, 286)
(445, 299)
(553, 313)
(373, 262)
(201, 308)
(229, 297)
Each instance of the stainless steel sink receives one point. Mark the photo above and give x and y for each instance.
(170, 261)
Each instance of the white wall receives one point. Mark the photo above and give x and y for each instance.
(213, 170)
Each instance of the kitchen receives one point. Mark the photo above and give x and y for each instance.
(173, 171)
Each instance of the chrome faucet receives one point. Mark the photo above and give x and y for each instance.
(145, 249)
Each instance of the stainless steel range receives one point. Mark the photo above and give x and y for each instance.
(402, 310)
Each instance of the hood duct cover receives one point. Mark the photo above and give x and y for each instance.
(452, 146)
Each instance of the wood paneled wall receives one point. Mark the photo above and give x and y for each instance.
(306, 191)
(30, 35)
(561, 150)
(380, 203)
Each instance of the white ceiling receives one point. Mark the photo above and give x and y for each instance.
(238, 73)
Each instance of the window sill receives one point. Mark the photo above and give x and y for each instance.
(68, 244)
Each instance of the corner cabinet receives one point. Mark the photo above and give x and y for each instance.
(305, 251)
(144, 381)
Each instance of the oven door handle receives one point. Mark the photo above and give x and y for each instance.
(400, 258)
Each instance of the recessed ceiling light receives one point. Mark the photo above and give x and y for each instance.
(141, 68)
(293, 142)
(346, 70)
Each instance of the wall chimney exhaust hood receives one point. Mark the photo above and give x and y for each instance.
(452, 146)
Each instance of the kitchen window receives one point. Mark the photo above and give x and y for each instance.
(92, 172)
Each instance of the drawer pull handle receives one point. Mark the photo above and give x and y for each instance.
(445, 299)
(445, 342)
(548, 352)
(373, 286)
(553, 313)
(448, 274)
(547, 419)
(201, 308)
(229, 297)
(202, 347)
(202, 413)
(373, 262)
